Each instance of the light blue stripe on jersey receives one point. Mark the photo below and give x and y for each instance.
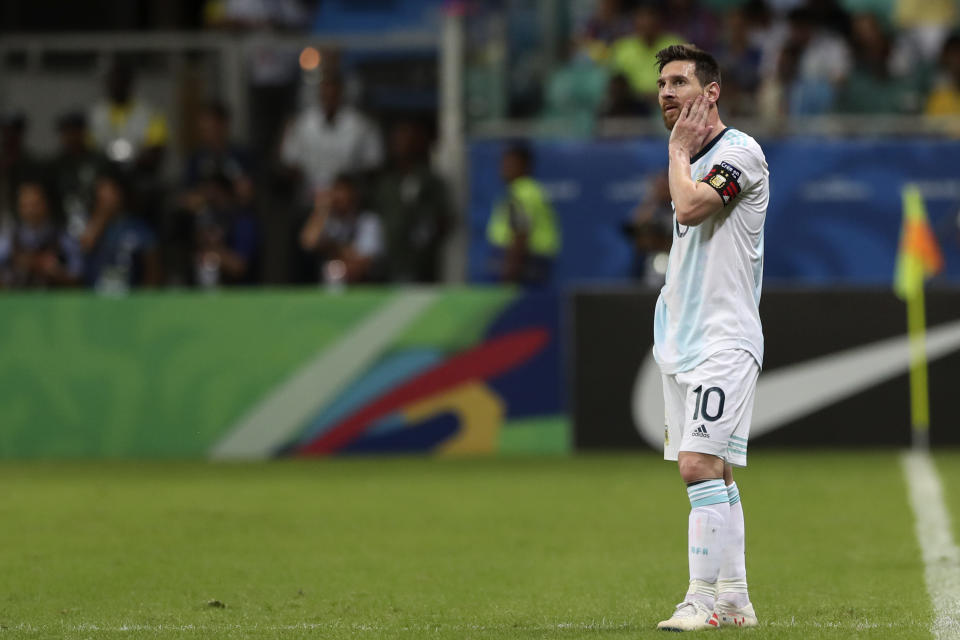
(707, 493)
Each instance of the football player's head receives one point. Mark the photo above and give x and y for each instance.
(685, 73)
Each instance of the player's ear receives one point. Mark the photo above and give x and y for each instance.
(712, 92)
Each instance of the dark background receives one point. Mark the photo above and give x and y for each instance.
(612, 332)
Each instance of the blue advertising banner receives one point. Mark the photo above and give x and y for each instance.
(834, 215)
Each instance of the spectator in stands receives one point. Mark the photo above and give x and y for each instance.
(944, 100)
(415, 206)
(134, 135)
(768, 31)
(692, 22)
(270, 63)
(124, 127)
(74, 170)
(36, 252)
(523, 227)
(215, 160)
(121, 250)
(773, 97)
(634, 55)
(16, 163)
(608, 24)
(574, 94)
(873, 86)
(739, 63)
(334, 138)
(226, 234)
(346, 240)
(823, 64)
(217, 155)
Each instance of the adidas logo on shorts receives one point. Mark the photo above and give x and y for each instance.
(701, 432)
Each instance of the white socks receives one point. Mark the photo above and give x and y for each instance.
(710, 507)
(732, 583)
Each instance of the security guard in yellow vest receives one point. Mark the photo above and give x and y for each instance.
(523, 226)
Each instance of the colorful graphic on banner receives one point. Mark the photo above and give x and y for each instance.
(257, 375)
(420, 399)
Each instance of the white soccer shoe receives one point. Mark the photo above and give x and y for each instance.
(690, 616)
(731, 616)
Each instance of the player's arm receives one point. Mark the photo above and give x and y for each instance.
(694, 201)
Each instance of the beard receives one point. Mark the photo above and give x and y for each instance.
(670, 118)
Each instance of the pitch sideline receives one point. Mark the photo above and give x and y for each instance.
(941, 558)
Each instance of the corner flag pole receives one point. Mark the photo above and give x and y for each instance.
(919, 391)
(918, 258)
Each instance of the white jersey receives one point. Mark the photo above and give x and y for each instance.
(711, 298)
(324, 149)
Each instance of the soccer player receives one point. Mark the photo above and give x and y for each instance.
(707, 335)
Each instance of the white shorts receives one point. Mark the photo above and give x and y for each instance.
(709, 407)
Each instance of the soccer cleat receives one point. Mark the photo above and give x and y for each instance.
(731, 616)
(690, 616)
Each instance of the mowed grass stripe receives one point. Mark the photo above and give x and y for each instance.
(584, 547)
(948, 466)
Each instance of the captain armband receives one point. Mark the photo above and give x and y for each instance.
(724, 178)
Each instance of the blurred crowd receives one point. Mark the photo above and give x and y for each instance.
(336, 196)
(100, 212)
(779, 58)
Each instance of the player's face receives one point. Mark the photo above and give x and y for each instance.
(678, 84)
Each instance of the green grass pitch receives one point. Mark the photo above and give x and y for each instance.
(580, 547)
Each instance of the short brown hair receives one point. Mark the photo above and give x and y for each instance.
(707, 70)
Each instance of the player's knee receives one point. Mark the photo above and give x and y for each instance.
(696, 467)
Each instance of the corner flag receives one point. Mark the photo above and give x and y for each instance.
(918, 258)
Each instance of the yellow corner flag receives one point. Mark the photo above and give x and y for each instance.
(918, 258)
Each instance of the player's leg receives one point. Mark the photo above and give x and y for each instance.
(732, 585)
(709, 507)
(733, 599)
(701, 467)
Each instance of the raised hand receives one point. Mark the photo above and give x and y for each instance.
(692, 129)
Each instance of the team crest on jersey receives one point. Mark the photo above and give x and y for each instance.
(724, 178)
